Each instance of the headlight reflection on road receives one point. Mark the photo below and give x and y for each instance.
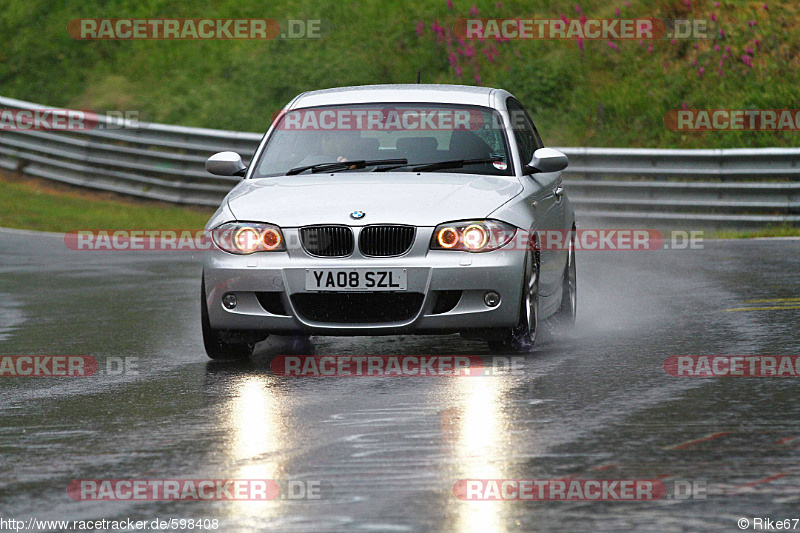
(481, 445)
(255, 419)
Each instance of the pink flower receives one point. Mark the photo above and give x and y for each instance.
(478, 79)
(716, 4)
(672, 41)
(755, 41)
(713, 17)
(694, 62)
(700, 72)
(684, 105)
(577, 9)
(688, 3)
(473, 10)
(452, 58)
(716, 48)
(728, 49)
(627, 4)
(458, 71)
(498, 5)
(450, 5)
(617, 12)
(612, 45)
(580, 44)
(765, 7)
(721, 63)
(748, 51)
(722, 33)
(420, 28)
(724, 57)
(696, 46)
(719, 70)
(650, 49)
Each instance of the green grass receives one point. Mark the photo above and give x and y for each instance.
(600, 96)
(28, 204)
(782, 230)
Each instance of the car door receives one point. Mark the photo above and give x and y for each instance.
(546, 202)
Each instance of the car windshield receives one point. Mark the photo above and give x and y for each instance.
(471, 138)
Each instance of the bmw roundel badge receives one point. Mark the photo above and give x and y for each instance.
(357, 215)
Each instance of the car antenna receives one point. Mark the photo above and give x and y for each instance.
(419, 75)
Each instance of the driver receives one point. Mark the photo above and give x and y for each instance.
(331, 146)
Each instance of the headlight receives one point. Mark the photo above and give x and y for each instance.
(472, 235)
(248, 237)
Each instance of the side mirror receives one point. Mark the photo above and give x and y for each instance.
(226, 164)
(547, 160)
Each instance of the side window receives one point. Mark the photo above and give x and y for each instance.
(539, 143)
(524, 132)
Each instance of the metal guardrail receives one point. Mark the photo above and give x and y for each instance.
(162, 162)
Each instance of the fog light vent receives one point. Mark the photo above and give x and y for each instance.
(492, 299)
(229, 301)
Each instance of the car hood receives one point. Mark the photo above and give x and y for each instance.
(396, 197)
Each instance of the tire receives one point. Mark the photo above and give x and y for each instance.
(567, 312)
(522, 337)
(216, 346)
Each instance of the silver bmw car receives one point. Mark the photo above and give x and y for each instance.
(391, 209)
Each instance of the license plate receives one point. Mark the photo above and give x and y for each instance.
(356, 279)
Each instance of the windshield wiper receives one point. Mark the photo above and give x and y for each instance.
(439, 165)
(346, 165)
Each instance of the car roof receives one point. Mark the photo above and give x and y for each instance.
(404, 93)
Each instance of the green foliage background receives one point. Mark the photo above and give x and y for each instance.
(598, 96)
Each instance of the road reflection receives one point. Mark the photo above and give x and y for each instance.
(254, 422)
(482, 441)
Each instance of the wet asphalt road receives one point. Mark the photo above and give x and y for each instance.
(597, 404)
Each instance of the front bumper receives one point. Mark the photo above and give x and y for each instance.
(282, 275)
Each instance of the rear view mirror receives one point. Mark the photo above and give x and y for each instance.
(226, 164)
(547, 160)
